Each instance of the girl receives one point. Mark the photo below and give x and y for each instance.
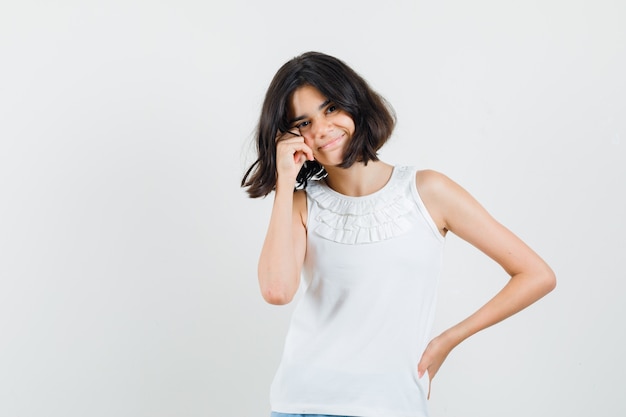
(368, 239)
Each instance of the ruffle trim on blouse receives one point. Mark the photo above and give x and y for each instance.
(368, 219)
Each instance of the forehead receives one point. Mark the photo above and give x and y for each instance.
(306, 100)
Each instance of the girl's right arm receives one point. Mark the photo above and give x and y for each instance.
(284, 247)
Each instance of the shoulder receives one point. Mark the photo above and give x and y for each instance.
(440, 195)
(433, 185)
(452, 207)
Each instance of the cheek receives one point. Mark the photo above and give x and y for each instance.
(348, 123)
(351, 126)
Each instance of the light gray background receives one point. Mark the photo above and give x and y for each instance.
(128, 251)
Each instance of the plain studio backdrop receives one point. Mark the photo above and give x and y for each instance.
(128, 251)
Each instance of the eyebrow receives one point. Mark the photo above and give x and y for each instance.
(321, 106)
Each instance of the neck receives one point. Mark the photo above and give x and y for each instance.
(360, 179)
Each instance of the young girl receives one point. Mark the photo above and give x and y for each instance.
(368, 239)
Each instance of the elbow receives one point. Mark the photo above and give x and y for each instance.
(552, 284)
(548, 281)
(278, 287)
(277, 296)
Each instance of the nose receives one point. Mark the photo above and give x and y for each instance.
(320, 127)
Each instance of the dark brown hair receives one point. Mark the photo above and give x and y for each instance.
(373, 117)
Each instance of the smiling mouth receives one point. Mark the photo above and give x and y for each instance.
(332, 142)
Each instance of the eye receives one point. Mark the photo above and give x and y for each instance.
(332, 108)
(303, 125)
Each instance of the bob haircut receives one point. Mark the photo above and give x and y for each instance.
(373, 117)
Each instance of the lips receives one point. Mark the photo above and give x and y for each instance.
(331, 143)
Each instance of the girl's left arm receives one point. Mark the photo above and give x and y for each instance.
(454, 209)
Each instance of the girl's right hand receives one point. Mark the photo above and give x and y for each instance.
(291, 153)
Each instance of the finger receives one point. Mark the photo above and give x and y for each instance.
(306, 149)
(292, 146)
(421, 368)
(297, 145)
(293, 155)
(289, 134)
(305, 154)
(301, 158)
(309, 153)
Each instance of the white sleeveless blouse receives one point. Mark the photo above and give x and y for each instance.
(356, 336)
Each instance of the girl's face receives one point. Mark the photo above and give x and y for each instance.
(326, 128)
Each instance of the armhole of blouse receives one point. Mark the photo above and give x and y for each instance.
(423, 209)
(306, 210)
